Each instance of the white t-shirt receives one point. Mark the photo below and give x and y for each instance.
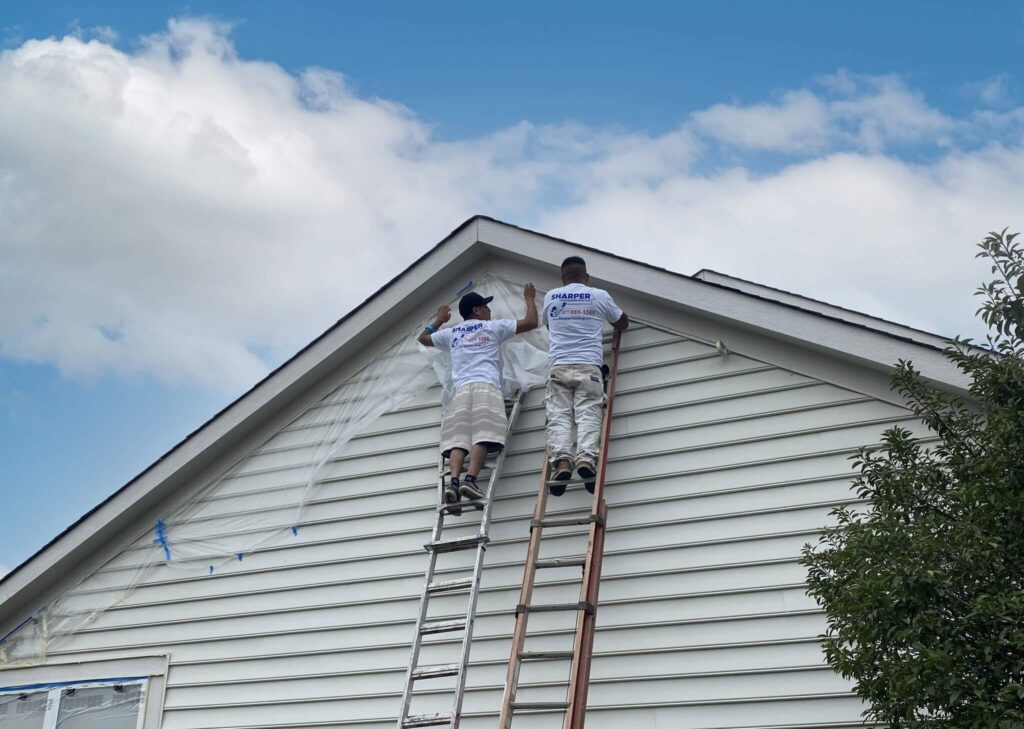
(575, 317)
(475, 346)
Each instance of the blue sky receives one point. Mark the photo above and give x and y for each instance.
(195, 190)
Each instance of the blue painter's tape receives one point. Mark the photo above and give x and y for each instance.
(464, 289)
(239, 556)
(295, 531)
(211, 569)
(161, 539)
(38, 686)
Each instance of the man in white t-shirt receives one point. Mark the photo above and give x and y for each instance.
(575, 315)
(475, 421)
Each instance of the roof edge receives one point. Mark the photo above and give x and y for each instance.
(7, 579)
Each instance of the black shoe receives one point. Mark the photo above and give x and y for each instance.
(588, 473)
(451, 496)
(469, 490)
(562, 474)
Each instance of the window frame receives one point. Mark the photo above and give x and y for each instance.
(148, 672)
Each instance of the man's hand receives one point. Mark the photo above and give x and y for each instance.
(529, 321)
(444, 313)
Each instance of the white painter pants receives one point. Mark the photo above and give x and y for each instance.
(574, 397)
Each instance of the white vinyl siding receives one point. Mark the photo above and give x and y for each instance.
(721, 468)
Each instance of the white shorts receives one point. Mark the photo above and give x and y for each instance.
(476, 414)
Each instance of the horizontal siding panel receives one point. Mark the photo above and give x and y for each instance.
(377, 599)
(367, 627)
(387, 545)
(637, 636)
(490, 669)
(372, 584)
(353, 690)
(684, 694)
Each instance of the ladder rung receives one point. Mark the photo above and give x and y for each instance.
(426, 720)
(543, 564)
(545, 655)
(449, 585)
(454, 545)
(442, 626)
(572, 482)
(539, 705)
(462, 505)
(568, 521)
(439, 671)
(586, 606)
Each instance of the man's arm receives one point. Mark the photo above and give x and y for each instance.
(621, 323)
(529, 321)
(444, 313)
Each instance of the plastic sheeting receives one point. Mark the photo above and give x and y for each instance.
(114, 706)
(212, 527)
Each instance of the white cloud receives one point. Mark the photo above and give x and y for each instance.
(992, 91)
(798, 123)
(852, 111)
(176, 210)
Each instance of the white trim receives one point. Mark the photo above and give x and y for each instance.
(822, 307)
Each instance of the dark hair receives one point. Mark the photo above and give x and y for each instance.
(574, 270)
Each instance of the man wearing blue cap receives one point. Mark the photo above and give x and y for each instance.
(475, 421)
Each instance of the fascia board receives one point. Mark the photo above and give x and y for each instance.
(232, 424)
(822, 307)
(840, 339)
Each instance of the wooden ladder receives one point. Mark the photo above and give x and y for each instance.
(575, 705)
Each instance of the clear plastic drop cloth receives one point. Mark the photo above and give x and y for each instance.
(114, 706)
(242, 511)
(23, 710)
(100, 707)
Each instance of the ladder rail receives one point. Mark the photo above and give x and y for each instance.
(583, 644)
(453, 719)
(525, 595)
(417, 640)
(583, 640)
(485, 520)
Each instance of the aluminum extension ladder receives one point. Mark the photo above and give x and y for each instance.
(575, 705)
(471, 585)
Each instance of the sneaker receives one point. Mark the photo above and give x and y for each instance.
(451, 496)
(588, 473)
(563, 472)
(469, 490)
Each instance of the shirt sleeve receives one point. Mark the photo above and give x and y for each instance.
(442, 339)
(612, 312)
(503, 329)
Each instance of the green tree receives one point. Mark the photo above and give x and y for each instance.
(922, 584)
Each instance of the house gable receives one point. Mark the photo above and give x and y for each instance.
(854, 356)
